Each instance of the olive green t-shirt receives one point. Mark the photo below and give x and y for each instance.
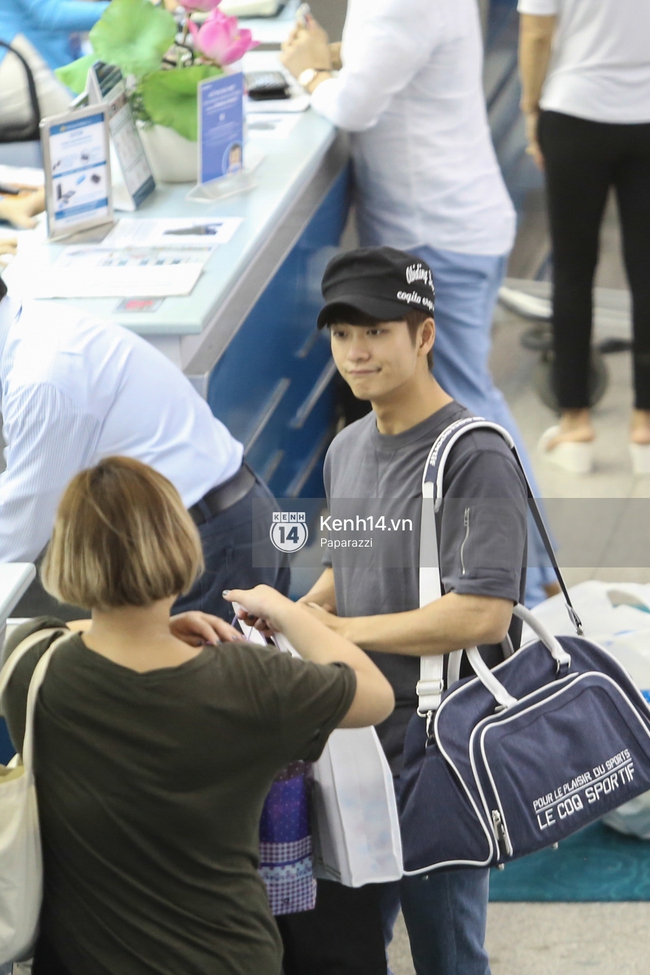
(150, 788)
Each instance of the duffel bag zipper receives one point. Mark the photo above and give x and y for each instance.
(503, 840)
(462, 547)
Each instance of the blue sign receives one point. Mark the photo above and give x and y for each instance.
(221, 127)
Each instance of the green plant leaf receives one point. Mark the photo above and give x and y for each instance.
(170, 97)
(74, 75)
(134, 35)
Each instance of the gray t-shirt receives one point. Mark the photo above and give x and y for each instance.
(481, 530)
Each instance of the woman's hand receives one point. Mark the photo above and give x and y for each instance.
(19, 210)
(195, 629)
(8, 246)
(262, 607)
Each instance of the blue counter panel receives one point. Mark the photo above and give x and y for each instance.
(273, 385)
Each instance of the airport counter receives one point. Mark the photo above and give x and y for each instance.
(246, 335)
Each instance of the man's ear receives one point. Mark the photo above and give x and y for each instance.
(427, 336)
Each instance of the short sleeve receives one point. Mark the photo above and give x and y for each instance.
(14, 699)
(309, 701)
(483, 524)
(539, 8)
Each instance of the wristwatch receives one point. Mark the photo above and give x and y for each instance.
(306, 77)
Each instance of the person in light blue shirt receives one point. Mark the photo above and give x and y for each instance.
(40, 30)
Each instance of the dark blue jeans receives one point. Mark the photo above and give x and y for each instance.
(445, 914)
(227, 541)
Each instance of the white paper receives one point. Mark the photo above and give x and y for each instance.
(270, 126)
(102, 282)
(177, 233)
(83, 258)
(21, 176)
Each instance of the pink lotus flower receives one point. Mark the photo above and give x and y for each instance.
(220, 38)
(204, 5)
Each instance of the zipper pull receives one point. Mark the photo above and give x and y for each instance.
(503, 839)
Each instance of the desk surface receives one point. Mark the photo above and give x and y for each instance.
(290, 182)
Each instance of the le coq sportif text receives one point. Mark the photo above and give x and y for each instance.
(588, 787)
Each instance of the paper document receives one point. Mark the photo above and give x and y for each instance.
(88, 272)
(271, 126)
(21, 176)
(83, 258)
(179, 232)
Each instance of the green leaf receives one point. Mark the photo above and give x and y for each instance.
(74, 75)
(170, 97)
(134, 35)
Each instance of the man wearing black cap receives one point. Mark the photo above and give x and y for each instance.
(379, 310)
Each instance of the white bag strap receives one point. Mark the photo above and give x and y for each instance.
(431, 684)
(19, 652)
(34, 685)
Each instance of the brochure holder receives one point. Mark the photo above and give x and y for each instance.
(226, 164)
(76, 160)
(133, 178)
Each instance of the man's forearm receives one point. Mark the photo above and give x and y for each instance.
(322, 592)
(450, 623)
(535, 42)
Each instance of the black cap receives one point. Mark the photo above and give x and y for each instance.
(379, 281)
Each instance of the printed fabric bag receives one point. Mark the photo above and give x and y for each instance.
(519, 757)
(286, 858)
(21, 864)
(286, 862)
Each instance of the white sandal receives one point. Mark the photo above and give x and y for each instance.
(640, 457)
(576, 458)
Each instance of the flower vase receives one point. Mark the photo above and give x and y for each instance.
(172, 158)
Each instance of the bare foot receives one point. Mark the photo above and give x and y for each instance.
(640, 427)
(575, 427)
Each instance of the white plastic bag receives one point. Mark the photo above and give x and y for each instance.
(21, 865)
(355, 827)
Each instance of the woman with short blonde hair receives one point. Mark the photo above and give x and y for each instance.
(153, 755)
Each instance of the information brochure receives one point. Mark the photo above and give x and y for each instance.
(77, 171)
(133, 181)
(176, 232)
(221, 127)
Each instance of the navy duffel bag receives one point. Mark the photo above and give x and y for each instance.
(519, 757)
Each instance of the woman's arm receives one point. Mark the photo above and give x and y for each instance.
(535, 43)
(373, 700)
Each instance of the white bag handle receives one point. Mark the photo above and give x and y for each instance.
(553, 645)
(34, 685)
(487, 677)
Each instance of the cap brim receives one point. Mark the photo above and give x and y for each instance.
(379, 308)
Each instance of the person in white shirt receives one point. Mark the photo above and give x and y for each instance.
(427, 180)
(74, 390)
(585, 71)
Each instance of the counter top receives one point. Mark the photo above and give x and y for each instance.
(290, 182)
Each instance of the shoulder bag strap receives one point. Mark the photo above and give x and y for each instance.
(431, 684)
(34, 686)
(19, 652)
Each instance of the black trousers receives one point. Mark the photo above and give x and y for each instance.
(583, 159)
(342, 936)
